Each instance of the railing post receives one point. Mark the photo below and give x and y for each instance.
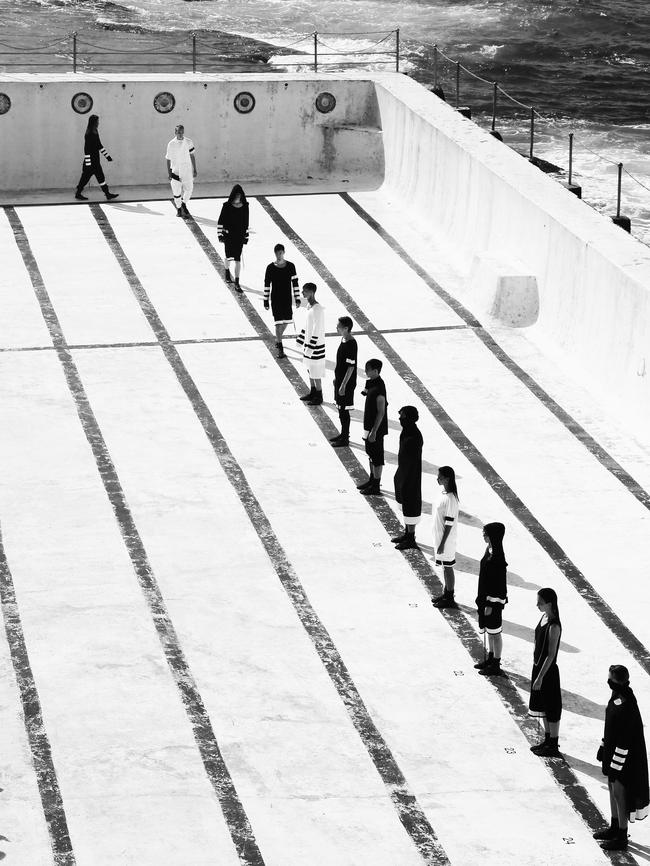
(397, 49)
(193, 52)
(435, 65)
(570, 158)
(618, 192)
(74, 52)
(458, 84)
(532, 131)
(315, 51)
(494, 106)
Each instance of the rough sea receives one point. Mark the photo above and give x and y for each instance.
(584, 64)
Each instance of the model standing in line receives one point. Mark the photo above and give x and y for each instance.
(624, 761)
(311, 339)
(375, 426)
(279, 281)
(545, 693)
(345, 379)
(408, 478)
(181, 169)
(233, 231)
(92, 165)
(491, 597)
(445, 531)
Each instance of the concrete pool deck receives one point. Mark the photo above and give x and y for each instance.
(221, 656)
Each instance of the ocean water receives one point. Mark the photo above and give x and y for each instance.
(583, 64)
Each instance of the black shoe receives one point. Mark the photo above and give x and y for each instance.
(407, 543)
(493, 669)
(618, 843)
(316, 400)
(185, 210)
(80, 197)
(373, 489)
(480, 665)
(343, 442)
(111, 195)
(237, 286)
(445, 600)
(309, 396)
(280, 349)
(179, 212)
(227, 276)
(548, 750)
(365, 484)
(610, 832)
(398, 538)
(336, 438)
(538, 747)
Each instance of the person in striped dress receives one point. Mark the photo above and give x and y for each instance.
(279, 281)
(312, 341)
(92, 165)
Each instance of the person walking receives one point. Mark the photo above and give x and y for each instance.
(445, 531)
(181, 169)
(92, 165)
(279, 281)
(624, 760)
(375, 426)
(491, 597)
(345, 379)
(232, 230)
(408, 477)
(312, 340)
(545, 694)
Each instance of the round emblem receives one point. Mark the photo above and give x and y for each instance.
(164, 102)
(5, 103)
(82, 103)
(244, 102)
(325, 102)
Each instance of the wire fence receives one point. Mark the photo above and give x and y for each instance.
(380, 49)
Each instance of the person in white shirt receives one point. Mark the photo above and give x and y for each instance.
(445, 528)
(181, 169)
(312, 342)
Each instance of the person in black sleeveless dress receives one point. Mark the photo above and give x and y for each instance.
(545, 693)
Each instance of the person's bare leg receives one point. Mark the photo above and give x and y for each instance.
(617, 791)
(496, 644)
(237, 270)
(318, 384)
(376, 472)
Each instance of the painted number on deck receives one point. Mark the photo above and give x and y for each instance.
(509, 750)
(568, 839)
(459, 673)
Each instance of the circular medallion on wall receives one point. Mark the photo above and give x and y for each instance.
(82, 103)
(244, 102)
(164, 102)
(325, 102)
(5, 103)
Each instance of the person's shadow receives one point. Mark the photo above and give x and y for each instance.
(136, 208)
(641, 851)
(514, 629)
(571, 702)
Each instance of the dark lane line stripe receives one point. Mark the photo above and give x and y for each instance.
(39, 744)
(562, 773)
(408, 809)
(571, 424)
(507, 495)
(213, 762)
(195, 341)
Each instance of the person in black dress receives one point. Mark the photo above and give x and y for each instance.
(545, 694)
(92, 162)
(491, 597)
(345, 379)
(232, 230)
(279, 281)
(408, 478)
(624, 761)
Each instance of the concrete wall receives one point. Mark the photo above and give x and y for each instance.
(284, 139)
(593, 278)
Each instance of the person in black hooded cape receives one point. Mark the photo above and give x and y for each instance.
(491, 597)
(624, 761)
(408, 478)
(232, 230)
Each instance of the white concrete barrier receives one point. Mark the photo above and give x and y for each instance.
(503, 290)
(283, 139)
(593, 278)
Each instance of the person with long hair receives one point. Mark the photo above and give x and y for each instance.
(233, 230)
(624, 761)
(92, 165)
(445, 530)
(491, 597)
(545, 693)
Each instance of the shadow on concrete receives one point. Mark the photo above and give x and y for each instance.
(571, 702)
(136, 208)
(581, 766)
(514, 629)
(641, 851)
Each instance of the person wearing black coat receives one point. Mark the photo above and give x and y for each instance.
(492, 596)
(93, 147)
(232, 230)
(624, 761)
(408, 478)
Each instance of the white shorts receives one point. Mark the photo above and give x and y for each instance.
(183, 187)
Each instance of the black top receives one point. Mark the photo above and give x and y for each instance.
(233, 223)
(374, 388)
(408, 478)
(492, 585)
(346, 357)
(623, 754)
(93, 146)
(281, 279)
